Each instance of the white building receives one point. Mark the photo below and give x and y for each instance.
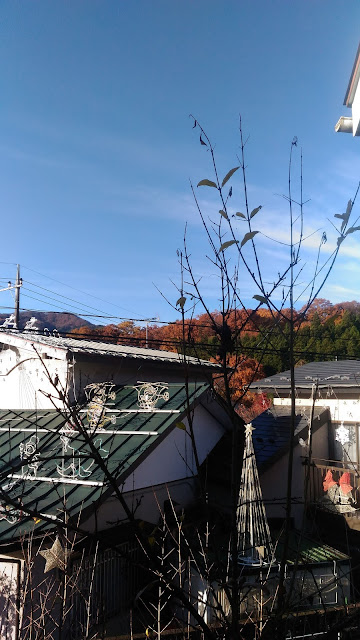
(30, 364)
(328, 414)
(100, 436)
(351, 124)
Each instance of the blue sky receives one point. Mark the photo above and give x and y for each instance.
(97, 147)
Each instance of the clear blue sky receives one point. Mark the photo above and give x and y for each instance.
(97, 147)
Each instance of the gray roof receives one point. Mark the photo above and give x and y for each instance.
(271, 435)
(94, 348)
(337, 374)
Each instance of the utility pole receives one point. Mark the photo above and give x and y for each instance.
(18, 284)
(13, 321)
(146, 321)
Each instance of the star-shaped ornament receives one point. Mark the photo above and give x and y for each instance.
(56, 557)
(249, 429)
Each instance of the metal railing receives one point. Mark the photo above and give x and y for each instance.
(106, 583)
(318, 470)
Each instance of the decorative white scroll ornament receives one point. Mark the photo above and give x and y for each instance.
(30, 325)
(97, 395)
(29, 455)
(75, 464)
(81, 463)
(10, 513)
(9, 322)
(150, 392)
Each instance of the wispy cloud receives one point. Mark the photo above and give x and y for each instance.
(47, 160)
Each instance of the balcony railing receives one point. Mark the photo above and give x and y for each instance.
(335, 486)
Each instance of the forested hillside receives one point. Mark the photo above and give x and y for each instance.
(327, 331)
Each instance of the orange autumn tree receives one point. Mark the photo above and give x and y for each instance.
(247, 403)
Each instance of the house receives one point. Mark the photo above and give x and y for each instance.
(317, 575)
(325, 476)
(31, 362)
(91, 469)
(98, 440)
(351, 124)
(328, 411)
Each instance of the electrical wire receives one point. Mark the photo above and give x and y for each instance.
(179, 344)
(102, 315)
(50, 311)
(74, 288)
(188, 323)
(78, 310)
(54, 299)
(59, 295)
(244, 348)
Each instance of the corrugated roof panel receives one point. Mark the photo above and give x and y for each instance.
(116, 350)
(308, 551)
(44, 461)
(336, 374)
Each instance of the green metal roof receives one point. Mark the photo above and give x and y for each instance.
(308, 551)
(46, 463)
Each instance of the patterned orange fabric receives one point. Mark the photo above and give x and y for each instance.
(328, 480)
(344, 482)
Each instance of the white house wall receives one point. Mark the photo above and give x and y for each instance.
(25, 369)
(341, 409)
(170, 466)
(355, 108)
(174, 457)
(145, 503)
(24, 374)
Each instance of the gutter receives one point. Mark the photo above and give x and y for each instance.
(344, 125)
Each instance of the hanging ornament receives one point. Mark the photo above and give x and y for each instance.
(56, 557)
(342, 434)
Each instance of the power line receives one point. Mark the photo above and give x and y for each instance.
(241, 349)
(75, 289)
(79, 311)
(59, 295)
(188, 323)
(42, 311)
(102, 315)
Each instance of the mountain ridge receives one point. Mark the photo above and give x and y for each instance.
(64, 322)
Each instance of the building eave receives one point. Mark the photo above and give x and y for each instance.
(354, 80)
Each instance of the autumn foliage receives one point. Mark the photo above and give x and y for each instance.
(325, 331)
(201, 340)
